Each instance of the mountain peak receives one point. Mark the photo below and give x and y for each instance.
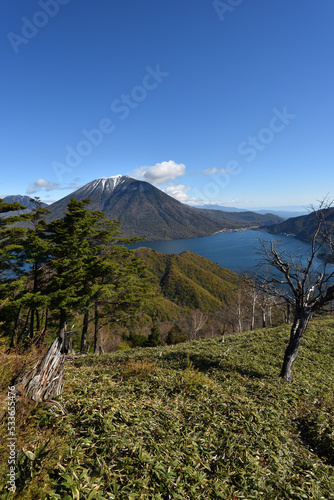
(145, 210)
(107, 183)
(115, 178)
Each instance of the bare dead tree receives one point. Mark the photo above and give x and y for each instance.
(251, 294)
(197, 322)
(253, 297)
(307, 287)
(266, 302)
(285, 307)
(239, 311)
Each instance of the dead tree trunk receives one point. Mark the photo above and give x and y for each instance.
(45, 380)
(83, 347)
(264, 318)
(96, 327)
(31, 326)
(253, 306)
(288, 310)
(62, 335)
(270, 316)
(297, 331)
(15, 330)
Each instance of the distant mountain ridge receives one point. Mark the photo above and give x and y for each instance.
(145, 210)
(301, 227)
(284, 212)
(24, 200)
(214, 206)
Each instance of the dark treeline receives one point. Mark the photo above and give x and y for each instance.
(54, 272)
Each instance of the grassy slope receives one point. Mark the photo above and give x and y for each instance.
(201, 420)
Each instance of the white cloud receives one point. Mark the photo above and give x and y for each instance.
(209, 171)
(41, 184)
(44, 185)
(161, 173)
(179, 192)
(214, 170)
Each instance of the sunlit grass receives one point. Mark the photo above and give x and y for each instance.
(200, 420)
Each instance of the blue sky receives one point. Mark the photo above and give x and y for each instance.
(228, 102)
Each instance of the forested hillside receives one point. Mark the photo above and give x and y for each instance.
(302, 227)
(190, 280)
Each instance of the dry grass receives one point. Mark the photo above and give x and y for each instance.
(200, 420)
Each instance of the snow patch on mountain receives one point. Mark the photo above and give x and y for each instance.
(107, 183)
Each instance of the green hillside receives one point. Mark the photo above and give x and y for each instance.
(189, 280)
(200, 420)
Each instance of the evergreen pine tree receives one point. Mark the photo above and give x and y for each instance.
(154, 338)
(12, 234)
(35, 258)
(92, 267)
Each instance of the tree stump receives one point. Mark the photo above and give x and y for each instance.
(45, 380)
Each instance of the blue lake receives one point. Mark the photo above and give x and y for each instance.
(236, 250)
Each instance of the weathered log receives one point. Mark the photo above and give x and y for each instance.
(45, 380)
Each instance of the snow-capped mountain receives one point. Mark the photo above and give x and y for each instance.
(145, 210)
(104, 185)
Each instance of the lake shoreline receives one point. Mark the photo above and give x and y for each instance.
(236, 230)
(233, 249)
